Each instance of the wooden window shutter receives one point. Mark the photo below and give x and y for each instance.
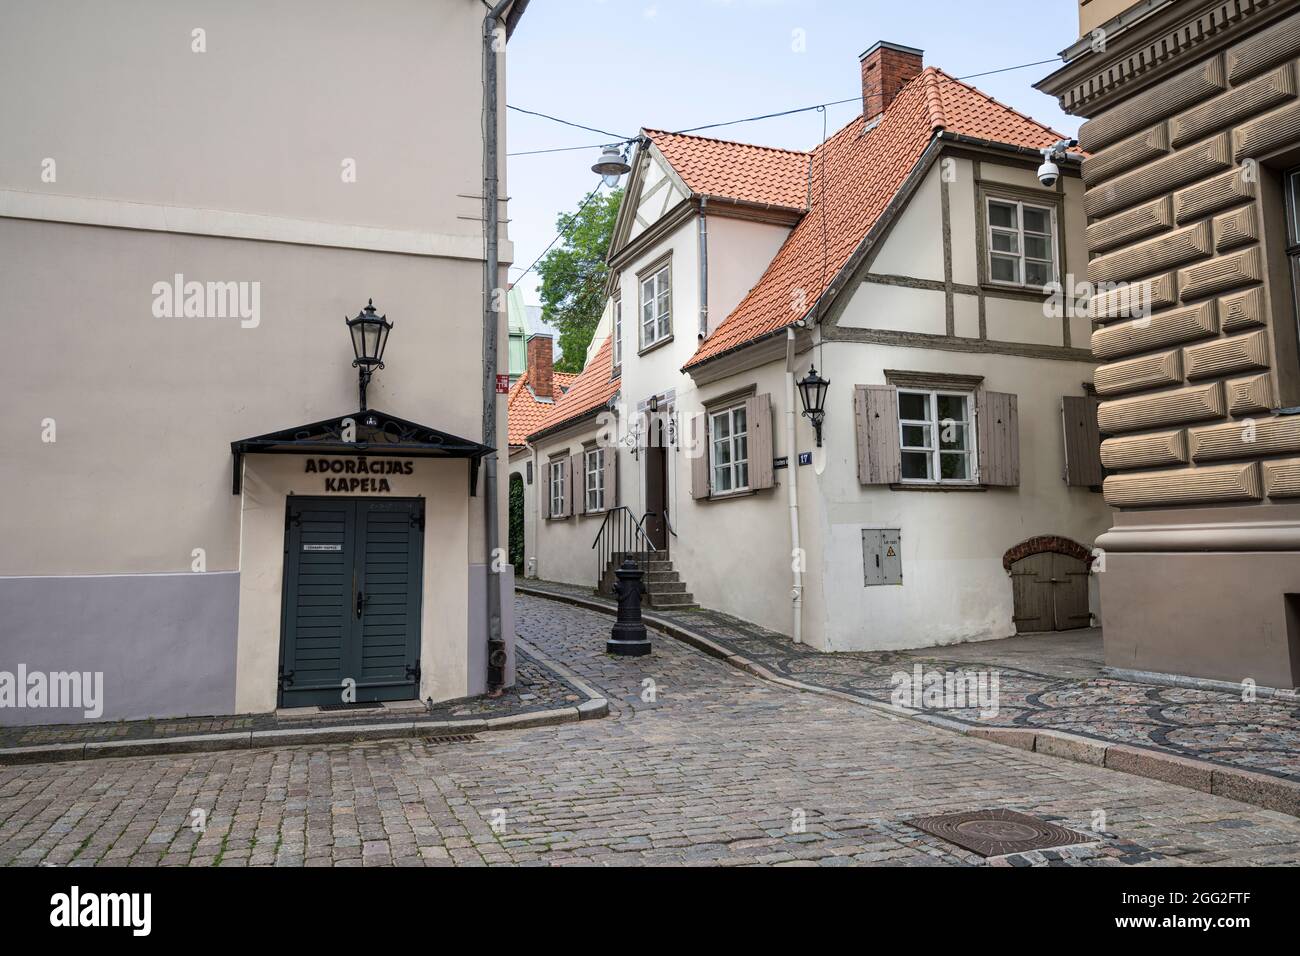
(999, 438)
(577, 485)
(700, 463)
(875, 412)
(611, 477)
(544, 491)
(1083, 468)
(758, 419)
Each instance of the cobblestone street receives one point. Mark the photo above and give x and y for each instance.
(697, 763)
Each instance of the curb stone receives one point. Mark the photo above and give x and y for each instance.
(1244, 786)
(593, 707)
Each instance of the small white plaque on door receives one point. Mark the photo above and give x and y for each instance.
(322, 547)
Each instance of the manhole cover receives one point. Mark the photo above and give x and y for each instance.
(998, 832)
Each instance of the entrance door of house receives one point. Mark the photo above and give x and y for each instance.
(1050, 593)
(656, 495)
(353, 571)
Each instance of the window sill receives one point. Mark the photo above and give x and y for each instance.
(935, 486)
(658, 344)
(726, 495)
(1034, 293)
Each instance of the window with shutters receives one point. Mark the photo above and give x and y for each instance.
(656, 306)
(593, 460)
(1021, 243)
(557, 488)
(936, 437)
(729, 449)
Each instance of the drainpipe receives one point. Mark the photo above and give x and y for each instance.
(704, 267)
(792, 493)
(496, 649)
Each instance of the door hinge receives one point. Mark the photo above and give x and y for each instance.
(413, 672)
(286, 678)
(417, 519)
(292, 519)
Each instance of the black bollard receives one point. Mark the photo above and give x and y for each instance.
(628, 637)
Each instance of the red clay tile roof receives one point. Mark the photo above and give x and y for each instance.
(592, 388)
(524, 413)
(739, 171)
(864, 171)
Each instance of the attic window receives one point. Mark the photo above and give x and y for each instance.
(1021, 243)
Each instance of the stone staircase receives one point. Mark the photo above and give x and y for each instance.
(665, 590)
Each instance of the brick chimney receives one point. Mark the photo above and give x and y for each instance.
(541, 365)
(886, 69)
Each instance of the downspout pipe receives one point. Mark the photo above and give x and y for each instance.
(704, 267)
(792, 493)
(493, 560)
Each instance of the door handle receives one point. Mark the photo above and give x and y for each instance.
(361, 602)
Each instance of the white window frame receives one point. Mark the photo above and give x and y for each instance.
(659, 321)
(1020, 256)
(593, 469)
(618, 331)
(933, 449)
(556, 479)
(735, 462)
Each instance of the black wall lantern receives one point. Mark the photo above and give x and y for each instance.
(369, 337)
(812, 390)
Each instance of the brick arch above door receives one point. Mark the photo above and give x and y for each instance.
(1046, 543)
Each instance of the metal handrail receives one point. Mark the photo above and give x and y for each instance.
(621, 533)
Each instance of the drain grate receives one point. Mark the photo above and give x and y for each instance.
(451, 739)
(998, 832)
(364, 705)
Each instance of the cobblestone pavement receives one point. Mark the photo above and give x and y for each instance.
(698, 763)
(1261, 735)
(536, 688)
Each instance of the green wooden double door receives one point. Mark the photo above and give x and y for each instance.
(353, 570)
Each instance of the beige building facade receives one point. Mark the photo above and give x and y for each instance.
(1193, 136)
(192, 201)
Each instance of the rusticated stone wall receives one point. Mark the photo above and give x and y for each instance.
(1183, 197)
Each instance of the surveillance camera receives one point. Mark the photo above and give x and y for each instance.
(1048, 174)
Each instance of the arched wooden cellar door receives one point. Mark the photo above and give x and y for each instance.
(1049, 584)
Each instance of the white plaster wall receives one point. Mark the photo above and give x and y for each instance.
(966, 316)
(563, 546)
(915, 244)
(961, 217)
(739, 253)
(898, 308)
(735, 553)
(1023, 321)
(954, 587)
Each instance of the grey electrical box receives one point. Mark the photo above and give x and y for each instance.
(882, 556)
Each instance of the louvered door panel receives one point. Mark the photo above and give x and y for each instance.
(390, 564)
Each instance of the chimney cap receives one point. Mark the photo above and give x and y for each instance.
(540, 335)
(898, 47)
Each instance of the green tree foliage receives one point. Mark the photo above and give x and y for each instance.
(573, 276)
(517, 523)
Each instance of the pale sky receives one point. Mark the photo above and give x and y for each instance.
(620, 65)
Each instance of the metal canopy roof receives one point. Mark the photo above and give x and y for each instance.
(371, 433)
